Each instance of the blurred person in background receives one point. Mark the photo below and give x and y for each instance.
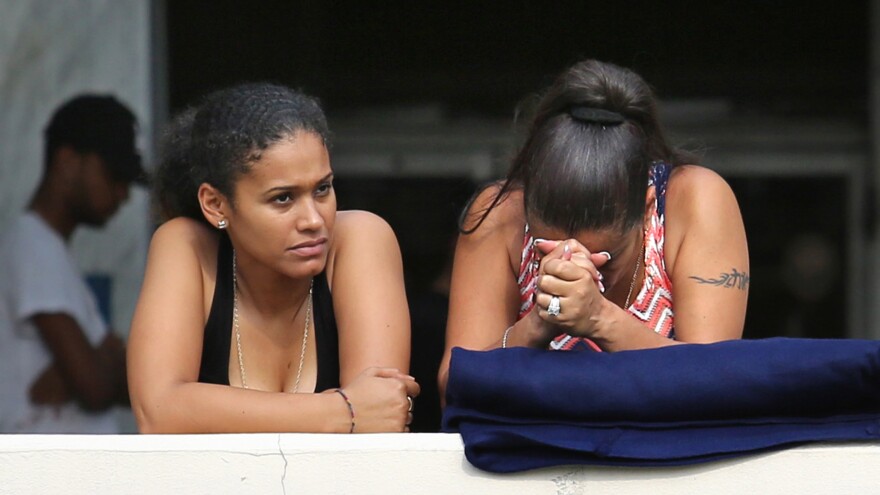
(63, 368)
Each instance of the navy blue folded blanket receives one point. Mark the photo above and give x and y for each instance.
(519, 408)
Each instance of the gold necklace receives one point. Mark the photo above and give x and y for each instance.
(632, 283)
(305, 341)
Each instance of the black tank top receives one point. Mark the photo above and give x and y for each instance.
(218, 329)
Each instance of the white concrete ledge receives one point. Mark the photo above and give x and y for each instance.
(389, 464)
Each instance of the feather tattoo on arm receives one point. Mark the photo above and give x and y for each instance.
(735, 279)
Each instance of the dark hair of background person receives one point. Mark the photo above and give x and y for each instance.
(219, 140)
(586, 173)
(100, 124)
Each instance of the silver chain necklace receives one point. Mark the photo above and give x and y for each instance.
(305, 341)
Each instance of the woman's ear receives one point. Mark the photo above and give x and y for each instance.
(214, 205)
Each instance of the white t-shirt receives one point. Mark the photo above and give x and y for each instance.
(38, 275)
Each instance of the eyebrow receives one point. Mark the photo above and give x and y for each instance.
(297, 187)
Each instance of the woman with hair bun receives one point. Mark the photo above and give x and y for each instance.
(263, 309)
(602, 236)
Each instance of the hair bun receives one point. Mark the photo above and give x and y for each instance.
(590, 115)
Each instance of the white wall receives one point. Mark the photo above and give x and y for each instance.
(388, 464)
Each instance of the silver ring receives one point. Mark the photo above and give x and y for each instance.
(554, 308)
(409, 399)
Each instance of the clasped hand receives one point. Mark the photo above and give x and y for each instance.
(570, 272)
(379, 400)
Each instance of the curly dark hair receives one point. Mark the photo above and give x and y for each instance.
(218, 141)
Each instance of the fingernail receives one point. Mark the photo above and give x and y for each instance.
(605, 253)
(566, 252)
(601, 287)
(601, 277)
(539, 239)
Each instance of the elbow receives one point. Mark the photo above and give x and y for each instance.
(148, 419)
(157, 408)
(146, 427)
(147, 423)
(153, 414)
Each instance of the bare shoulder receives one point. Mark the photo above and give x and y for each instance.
(493, 229)
(700, 206)
(362, 241)
(358, 222)
(181, 228)
(693, 185)
(359, 232)
(488, 214)
(184, 236)
(697, 195)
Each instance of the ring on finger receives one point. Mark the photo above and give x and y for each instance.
(410, 408)
(554, 308)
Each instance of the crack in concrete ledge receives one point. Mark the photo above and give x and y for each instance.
(284, 474)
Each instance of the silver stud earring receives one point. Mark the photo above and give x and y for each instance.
(222, 224)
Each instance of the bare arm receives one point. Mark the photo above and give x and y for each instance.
(484, 295)
(94, 377)
(369, 300)
(368, 295)
(707, 257)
